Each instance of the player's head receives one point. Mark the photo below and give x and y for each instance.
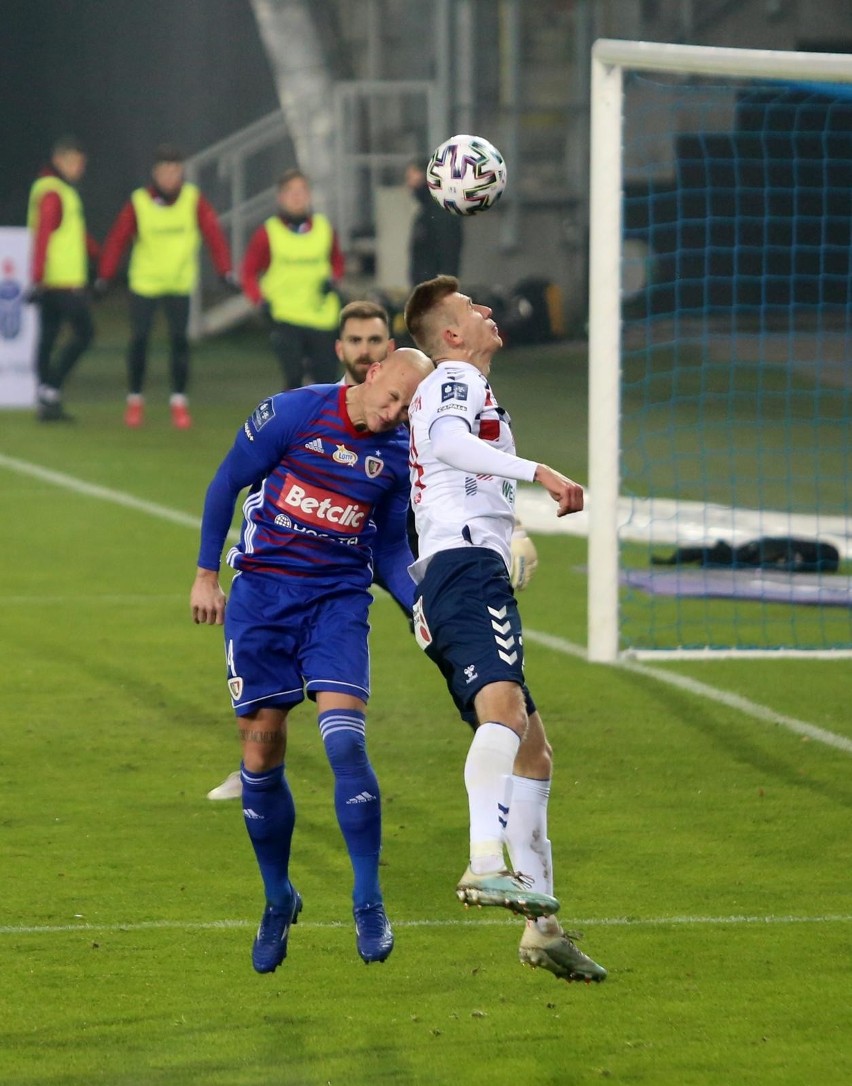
(381, 402)
(168, 170)
(445, 323)
(294, 194)
(69, 158)
(363, 338)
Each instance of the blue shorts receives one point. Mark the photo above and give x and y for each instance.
(466, 620)
(282, 639)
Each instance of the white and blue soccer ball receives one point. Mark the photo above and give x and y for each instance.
(466, 175)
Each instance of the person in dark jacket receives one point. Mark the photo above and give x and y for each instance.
(435, 242)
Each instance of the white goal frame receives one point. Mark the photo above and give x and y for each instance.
(610, 59)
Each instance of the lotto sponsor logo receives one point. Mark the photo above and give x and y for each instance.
(342, 455)
(322, 508)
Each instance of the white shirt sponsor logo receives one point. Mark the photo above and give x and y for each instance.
(321, 508)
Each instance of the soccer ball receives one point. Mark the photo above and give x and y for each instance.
(466, 175)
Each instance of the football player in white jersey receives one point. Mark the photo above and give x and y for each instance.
(463, 478)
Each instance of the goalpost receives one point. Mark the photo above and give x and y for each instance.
(720, 349)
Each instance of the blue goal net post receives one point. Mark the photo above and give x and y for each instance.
(720, 347)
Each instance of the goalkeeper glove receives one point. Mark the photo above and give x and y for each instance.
(524, 559)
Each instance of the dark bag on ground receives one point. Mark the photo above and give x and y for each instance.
(786, 554)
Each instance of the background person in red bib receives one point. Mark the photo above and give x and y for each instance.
(291, 269)
(165, 223)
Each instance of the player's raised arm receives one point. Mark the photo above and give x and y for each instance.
(565, 492)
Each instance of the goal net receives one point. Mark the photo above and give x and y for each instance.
(720, 352)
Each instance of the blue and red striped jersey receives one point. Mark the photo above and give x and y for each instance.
(326, 502)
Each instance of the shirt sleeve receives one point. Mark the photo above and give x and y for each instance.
(259, 447)
(255, 263)
(214, 238)
(49, 219)
(338, 263)
(453, 444)
(391, 553)
(122, 232)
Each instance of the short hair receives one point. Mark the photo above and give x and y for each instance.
(362, 311)
(168, 152)
(422, 303)
(292, 175)
(67, 143)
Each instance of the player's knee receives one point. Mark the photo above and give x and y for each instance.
(346, 749)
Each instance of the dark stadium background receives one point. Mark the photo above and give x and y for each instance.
(123, 76)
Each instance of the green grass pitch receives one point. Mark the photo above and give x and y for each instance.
(704, 853)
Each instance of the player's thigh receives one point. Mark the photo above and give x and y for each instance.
(176, 308)
(142, 310)
(80, 316)
(472, 622)
(334, 653)
(261, 645)
(324, 363)
(503, 702)
(287, 340)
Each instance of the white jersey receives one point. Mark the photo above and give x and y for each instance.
(455, 507)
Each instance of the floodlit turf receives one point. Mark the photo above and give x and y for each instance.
(704, 854)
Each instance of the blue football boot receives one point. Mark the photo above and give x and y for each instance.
(373, 934)
(270, 944)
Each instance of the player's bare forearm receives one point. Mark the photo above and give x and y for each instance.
(207, 600)
(567, 494)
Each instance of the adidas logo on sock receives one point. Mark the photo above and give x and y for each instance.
(362, 797)
(249, 813)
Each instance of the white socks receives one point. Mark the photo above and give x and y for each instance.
(526, 839)
(487, 777)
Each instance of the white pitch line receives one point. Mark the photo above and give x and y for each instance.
(92, 490)
(88, 599)
(559, 644)
(592, 922)
(711, 693)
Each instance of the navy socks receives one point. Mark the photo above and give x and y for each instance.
(270, 816)
(357, 801)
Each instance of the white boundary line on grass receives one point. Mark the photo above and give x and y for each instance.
(559, 644)
(598, 922)
(702, 690)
